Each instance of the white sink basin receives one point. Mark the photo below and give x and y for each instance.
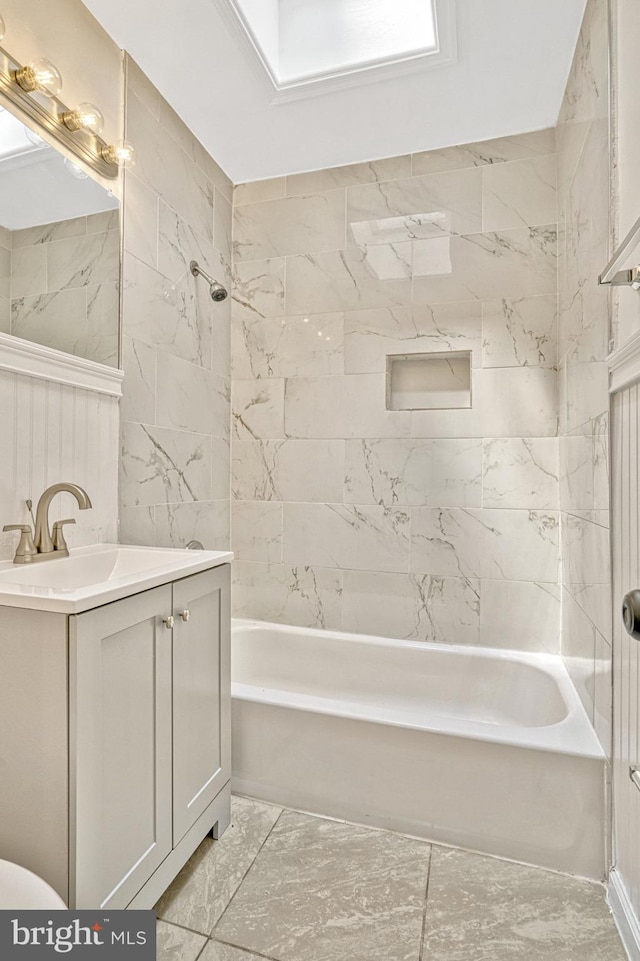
(98, 575)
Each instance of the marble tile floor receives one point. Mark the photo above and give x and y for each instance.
(285, 886)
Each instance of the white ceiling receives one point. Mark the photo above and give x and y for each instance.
(512, 65)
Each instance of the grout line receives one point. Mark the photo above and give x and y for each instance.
(239, 947)
(240, 883)
(426, 900)
(183, 927)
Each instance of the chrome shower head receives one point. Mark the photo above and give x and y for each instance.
(217, 291)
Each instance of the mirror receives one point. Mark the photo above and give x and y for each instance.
(59, 248)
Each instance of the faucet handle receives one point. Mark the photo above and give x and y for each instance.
(57, 534)
(26, 549)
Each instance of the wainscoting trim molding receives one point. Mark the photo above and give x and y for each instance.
(624, 364)
(45, 363)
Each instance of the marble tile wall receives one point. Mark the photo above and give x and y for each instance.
(174, 479)
(437, 525)
(583, 340)
(64, 285)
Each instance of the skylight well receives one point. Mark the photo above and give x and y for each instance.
(302, 42)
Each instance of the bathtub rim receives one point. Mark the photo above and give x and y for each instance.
(574, 735)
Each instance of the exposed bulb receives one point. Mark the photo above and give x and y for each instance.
(86, 116)
(122, 154)
(1, 29)
(34, 137)
(75, 170)
(40, 75)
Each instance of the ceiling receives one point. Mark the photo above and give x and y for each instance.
(513, 60)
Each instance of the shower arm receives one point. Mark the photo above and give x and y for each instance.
(197, 270)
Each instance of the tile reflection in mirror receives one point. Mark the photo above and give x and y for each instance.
(59, 249)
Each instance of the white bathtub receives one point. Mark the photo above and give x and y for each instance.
(486, 749)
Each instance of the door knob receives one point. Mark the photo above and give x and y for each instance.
(168, 622)
(631, 613)
(185, 615)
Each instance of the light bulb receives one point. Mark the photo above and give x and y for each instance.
(75, 170)
(40, 75)
(122, 154)
(33, 137)
(1, 29)
(85, 117)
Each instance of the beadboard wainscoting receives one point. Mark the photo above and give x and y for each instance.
(53, 432)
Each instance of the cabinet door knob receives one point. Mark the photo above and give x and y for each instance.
(186, 614)
(168, 622)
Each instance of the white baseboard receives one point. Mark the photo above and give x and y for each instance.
(627, 923)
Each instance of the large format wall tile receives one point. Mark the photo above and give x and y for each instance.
(288, 470)
(169, 317)
(518, 402)
(371, 335)
(445, 610)
(341, 407)
(257, 409)
(521, 545)
(168, 170)
(507, 263)
(522, 193)
(413, 209)
(190, 397)
(404, 472)
(447, 542)
(520, 473)
(517, 545)
(160, 465)
(375, 276)
(520, 331)
(522, 615)
(256, 528)
(302, 346)
(344, 536)
(376, 171)
(288, 594)
(293, 226)
(498, 151)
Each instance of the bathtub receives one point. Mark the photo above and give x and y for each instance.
(485, 749)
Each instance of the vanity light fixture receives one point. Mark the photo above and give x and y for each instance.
(33, 89)
(40, 75)
(121, 153)
(85, 117)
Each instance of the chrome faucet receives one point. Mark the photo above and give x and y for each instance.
(44, 544)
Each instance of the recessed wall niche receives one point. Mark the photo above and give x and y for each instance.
(429, 381)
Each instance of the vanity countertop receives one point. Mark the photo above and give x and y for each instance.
(92, 576)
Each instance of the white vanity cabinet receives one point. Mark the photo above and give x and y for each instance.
(139, 714)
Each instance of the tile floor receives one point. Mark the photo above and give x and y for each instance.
(285, 886)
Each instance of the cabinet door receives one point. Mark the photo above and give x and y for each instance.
(201, 694)
(120, 750)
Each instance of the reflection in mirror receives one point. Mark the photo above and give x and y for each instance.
(59, 249)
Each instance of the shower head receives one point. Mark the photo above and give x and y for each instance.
(217, 291)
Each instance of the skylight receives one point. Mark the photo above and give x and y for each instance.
(306, 41)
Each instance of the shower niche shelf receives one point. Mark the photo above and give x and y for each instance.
(440, 380)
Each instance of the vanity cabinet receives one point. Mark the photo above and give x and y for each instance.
(147, 741)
